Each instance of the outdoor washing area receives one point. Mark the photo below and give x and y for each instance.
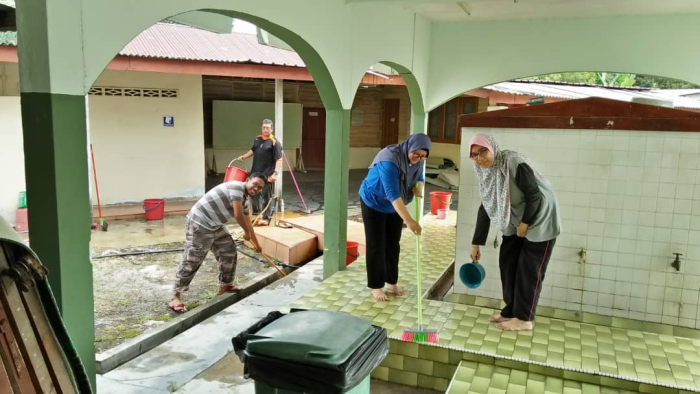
(619, 309)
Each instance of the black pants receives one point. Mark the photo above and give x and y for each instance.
(523, 264)
(260, 200)
(382, 237)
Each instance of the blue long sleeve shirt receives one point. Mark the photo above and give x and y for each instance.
(381, 187)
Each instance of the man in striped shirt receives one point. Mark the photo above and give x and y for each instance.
(205, 230)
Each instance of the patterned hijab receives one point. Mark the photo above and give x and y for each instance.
(398, 154)
(494, 182)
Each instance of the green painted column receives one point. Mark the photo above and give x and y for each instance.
(336, 191)
(56, 170)
(56, 161)
(419, 126)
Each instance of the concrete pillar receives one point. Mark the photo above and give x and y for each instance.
(56, 162)
(419, 125)
(336, 190)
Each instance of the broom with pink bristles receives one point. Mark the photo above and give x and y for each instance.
(420, 334)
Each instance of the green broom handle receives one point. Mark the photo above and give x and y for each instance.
(418, 269)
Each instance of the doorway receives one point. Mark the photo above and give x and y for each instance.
(390, 127)
(313, 138)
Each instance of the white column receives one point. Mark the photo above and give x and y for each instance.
(279, 128)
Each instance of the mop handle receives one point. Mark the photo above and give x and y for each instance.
(268, 260)
(97, 189)
(418, 269)
(295, 180)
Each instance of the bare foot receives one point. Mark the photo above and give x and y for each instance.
(498, 318)
(379, 295)
(515, 325)
(396, 289)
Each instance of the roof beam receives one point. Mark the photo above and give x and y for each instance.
(240, 70)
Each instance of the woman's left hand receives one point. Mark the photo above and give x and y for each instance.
(418, 189)
(522, 229)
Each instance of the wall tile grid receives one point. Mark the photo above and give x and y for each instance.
(630, 198)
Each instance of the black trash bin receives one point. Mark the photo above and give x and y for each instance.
(311, 352)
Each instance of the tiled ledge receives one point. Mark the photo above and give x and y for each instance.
(614, 357)
(425, 365)
(471, 377)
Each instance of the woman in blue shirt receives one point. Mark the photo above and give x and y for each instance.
(394, 178)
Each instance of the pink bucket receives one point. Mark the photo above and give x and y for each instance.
(442, 213)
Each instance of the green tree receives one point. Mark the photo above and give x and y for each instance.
(616, 79)
(649, 81)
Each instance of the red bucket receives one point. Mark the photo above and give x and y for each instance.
(352, 252)
(439, 200)
(235, 173)
(154, 207)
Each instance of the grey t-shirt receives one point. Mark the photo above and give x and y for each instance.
(215, 208)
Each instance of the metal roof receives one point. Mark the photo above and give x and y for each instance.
(573, 92)
(173, 41)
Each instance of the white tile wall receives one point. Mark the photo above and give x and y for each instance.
(630, 198)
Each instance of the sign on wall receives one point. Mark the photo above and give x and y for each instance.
(168, 121)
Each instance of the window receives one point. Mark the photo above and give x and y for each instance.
(443, 121)
(133, 92)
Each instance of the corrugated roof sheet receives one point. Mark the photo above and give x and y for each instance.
(8, 38)
(573, 92)
(172, 41)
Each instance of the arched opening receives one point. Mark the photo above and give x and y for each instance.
(145, 126)
(213, 117)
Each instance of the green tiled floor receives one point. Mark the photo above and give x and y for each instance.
(582, 317)
(600, 351)
(473, 378)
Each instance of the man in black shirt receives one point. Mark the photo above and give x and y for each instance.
(267, 159)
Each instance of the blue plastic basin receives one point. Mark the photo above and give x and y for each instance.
(472, 274)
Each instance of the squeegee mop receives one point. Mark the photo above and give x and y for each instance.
(420, 334)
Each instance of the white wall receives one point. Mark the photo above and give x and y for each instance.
(631, 199)
(11, 157)
(449, 151)
(136, 157)
(361, 158)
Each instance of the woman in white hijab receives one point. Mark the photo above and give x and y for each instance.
(522, 204)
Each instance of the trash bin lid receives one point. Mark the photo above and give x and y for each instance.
(321, 338)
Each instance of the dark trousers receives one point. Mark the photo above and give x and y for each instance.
(382, 237)
(523, 264)
(260, 200)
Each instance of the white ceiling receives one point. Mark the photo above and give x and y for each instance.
(444, 10)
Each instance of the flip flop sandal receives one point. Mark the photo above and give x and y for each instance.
(229, 289)
(178, 308)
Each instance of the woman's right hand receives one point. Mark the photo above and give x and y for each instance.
(475, 253)
(415, 227)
